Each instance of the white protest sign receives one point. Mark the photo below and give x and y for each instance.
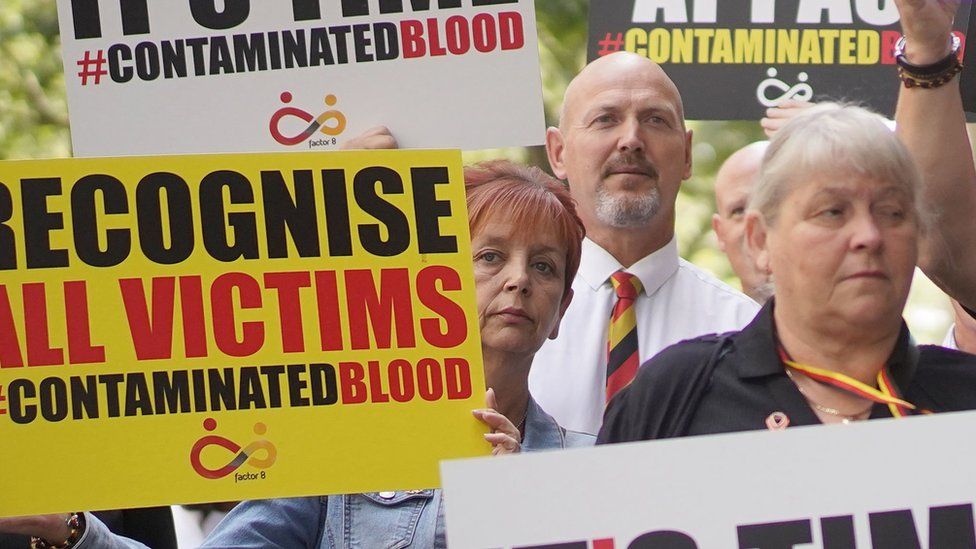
(199, 76)
(887, 483)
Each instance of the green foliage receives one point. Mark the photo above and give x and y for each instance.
(33, 109)
(562, 30)
(713, 143)
(562, 27)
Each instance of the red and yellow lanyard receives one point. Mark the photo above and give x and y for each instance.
(886, 393)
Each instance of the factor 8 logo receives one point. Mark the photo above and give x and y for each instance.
(781, 90)
(248, 454)
(331, 122)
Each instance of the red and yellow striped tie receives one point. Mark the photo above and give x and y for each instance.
(622, 350)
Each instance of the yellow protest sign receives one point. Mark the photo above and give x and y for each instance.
(206, 328)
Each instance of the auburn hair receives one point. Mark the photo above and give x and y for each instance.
(531, 199)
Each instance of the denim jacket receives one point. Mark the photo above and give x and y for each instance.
(382, 520)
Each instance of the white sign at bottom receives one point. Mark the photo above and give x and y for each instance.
(886, 484)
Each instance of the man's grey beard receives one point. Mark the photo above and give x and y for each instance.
(626, 211)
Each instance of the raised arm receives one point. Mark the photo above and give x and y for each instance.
(932, 125)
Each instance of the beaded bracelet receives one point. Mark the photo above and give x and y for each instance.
(928, 76)
(76, 524)
(912, 81)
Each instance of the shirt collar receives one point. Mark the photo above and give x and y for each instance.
(654, 270)
(758, 347)
(541, 430)
(950, 338)
(757, 344)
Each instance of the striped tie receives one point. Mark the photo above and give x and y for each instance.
(622, 351)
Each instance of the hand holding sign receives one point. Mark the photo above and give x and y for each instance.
(927, 24)
(777, 117)
(377, 137)
(47, 527)
(504, 436)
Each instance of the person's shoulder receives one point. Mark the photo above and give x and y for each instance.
(696, 274)
(672, 363)
(656, 403)
(950, 365)
(947, 376)
(693, 274)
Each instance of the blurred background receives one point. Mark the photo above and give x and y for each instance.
(34, 124)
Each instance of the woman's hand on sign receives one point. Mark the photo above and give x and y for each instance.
(51, 528)
(504, 436)
(378, 137)
(927, 24)
(778, 116)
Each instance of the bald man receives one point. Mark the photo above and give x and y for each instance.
(624, 150)
(733, 183)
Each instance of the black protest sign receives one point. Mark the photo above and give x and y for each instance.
(733, 59)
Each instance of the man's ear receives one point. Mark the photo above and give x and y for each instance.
(554, 150)
(717, 227)
(562, 311)
(688, 136)
(757, 241)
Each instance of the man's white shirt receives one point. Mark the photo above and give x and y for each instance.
(948, 342)
(679, 301)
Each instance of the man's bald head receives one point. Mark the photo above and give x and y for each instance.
(733, 185)
(628, 69)
(739, 172)
(623, 147)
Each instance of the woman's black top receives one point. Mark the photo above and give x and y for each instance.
(734, 382)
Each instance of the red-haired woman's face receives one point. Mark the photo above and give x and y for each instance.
(519, 277)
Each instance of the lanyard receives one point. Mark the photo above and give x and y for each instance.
(886, 393)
